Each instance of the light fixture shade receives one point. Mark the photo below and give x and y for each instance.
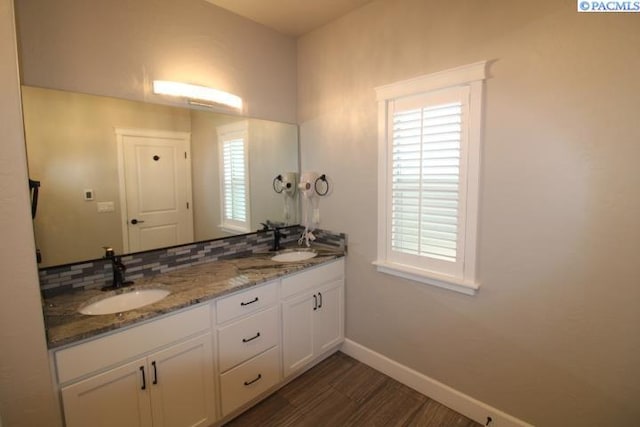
(185, 90)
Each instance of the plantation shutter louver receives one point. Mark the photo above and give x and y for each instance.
(427, 179)
(426, 174)
(234, 181)
(233, 145)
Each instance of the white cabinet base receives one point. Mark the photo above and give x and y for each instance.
(312, 318)
(169, 388)
(169, 383)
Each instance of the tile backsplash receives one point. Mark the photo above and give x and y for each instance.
(98, 273)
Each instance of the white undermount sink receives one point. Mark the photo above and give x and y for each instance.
(124, 301)
(294, 256)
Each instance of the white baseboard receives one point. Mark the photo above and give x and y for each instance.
(459, 402)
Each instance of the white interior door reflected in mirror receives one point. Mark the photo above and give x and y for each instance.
(155, 188)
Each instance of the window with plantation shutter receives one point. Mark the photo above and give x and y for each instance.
(429, 139)
(234, 177)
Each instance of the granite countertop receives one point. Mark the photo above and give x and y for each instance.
(188, 286)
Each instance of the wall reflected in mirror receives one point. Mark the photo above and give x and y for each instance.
(87, 166)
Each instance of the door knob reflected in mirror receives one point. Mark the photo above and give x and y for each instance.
(136, 221)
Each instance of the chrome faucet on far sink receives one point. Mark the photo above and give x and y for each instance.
(118, 268)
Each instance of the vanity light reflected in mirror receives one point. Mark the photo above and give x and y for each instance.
(198, 93)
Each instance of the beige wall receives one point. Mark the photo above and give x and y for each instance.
(71, 146)
(553, 336)
(26, 392)
(118, 47)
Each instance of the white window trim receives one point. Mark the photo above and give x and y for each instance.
(473, 76)
(241, 127)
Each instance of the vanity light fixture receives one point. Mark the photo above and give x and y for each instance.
(193, 92)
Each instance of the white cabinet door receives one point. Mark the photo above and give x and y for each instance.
(297, 332)
(118, 397)
(181, 384)
(155, 184)
(312, 323)
(328, 322)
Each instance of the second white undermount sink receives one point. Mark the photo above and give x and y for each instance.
(294, 256)
(129, 300)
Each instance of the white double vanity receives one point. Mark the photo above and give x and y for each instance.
(204, 364)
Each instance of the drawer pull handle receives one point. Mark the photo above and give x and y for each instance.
(250, 302)
(155, 373)
(252, 338)
(320, 298)
(144, 380)
(258, 378)
(315, 302)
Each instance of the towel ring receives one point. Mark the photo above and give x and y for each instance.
(323, 178)
(278, 179)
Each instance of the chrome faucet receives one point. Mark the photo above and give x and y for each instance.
(118, 268)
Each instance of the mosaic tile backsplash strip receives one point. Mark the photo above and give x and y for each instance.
(98, 273)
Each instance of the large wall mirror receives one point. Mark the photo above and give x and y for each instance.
(137, 176)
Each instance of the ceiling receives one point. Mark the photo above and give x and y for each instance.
(291, 17)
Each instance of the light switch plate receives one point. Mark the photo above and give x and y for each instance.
(106, 207)
(88, 194)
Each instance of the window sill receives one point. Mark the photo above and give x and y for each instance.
(427, 277)
(233, 229)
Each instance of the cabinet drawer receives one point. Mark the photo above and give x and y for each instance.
(247, 302)
(247, 337)
(249, 380)
(100, 353)
(312, 278)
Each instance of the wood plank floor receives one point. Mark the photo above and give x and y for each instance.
(340, 391)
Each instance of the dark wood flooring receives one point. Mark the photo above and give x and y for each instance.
(341, 392)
